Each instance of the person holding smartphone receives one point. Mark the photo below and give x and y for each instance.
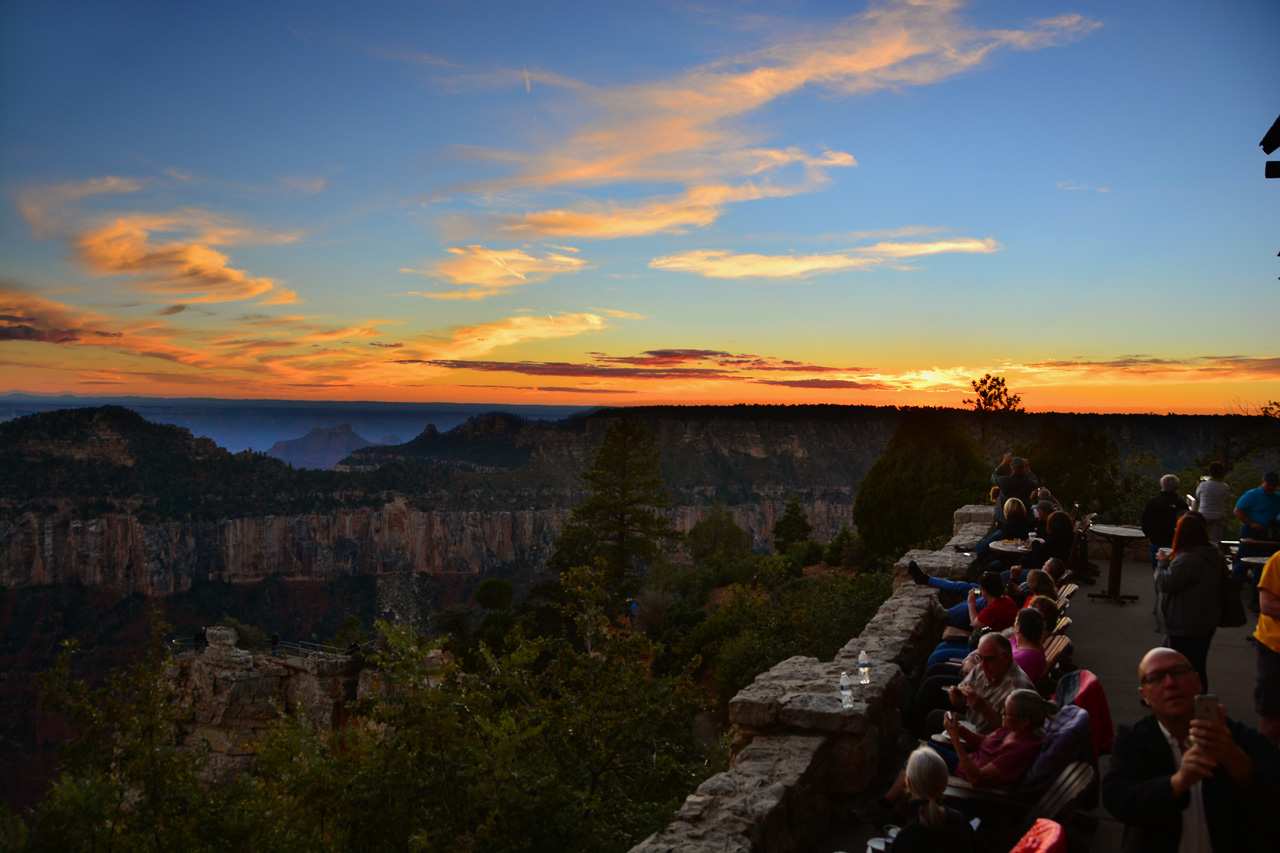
(1182, 782)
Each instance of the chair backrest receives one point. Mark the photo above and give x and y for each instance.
(1083, 688)
(1061, 796)
(1080, 545)
(1044, 836)
(1067, 739)
(1063, 624)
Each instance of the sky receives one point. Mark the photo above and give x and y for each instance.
(642, 203)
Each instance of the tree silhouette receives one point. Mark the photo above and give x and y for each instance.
(793, 527)
(992, 395)
(621, 522)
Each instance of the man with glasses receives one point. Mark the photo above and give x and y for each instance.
(1188, 785)
(982, 693)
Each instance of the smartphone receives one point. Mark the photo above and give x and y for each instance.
(1207, 707)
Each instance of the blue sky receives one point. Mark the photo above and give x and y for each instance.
(659, 203)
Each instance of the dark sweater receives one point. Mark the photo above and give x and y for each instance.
(1137, 792)
(956, 836)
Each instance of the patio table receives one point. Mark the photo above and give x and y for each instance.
(1117, 538)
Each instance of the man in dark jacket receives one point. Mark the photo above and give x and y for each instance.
(1215, 782)
(1161, 516)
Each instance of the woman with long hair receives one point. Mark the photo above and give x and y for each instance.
(1188, 580)
(936, 827)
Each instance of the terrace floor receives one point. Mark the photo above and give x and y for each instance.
(1109, 640)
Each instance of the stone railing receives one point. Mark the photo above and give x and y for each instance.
(794, 747)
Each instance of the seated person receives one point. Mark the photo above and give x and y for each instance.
(1060, 533)
(978, 694)
(1016, 525)
(996, 759)
(1028, 643)
(1026, 638)
(992, 608)
(1038, 583)
(935, 828)
(1048, 608)
(1055, 567)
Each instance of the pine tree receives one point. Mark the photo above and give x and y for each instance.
(620, 524)
(793, 527)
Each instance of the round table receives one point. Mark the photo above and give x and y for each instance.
(1010, 550)
(1117, 537)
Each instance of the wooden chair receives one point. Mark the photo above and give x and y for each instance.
(1057, 652)
(1056, 803)
(1078, 561)
(1064, 623)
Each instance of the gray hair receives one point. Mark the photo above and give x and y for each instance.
(927, 776)
(1033, 707)
(1169, 483)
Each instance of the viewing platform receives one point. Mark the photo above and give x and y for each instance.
(800, 761)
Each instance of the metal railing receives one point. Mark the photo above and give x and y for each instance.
(285, 648)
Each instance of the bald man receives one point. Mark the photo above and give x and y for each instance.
(1188, 785)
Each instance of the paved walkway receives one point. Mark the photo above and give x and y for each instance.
(1109, 640)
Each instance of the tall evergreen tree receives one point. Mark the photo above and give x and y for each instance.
(929, 468)
(793, 527)
(621, 522)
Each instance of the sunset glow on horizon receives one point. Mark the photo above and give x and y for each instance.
(575, 204)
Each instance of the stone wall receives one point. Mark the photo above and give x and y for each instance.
(794, 746)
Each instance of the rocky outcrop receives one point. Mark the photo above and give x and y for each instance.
(228, 697)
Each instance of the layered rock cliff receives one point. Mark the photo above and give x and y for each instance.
(488, 497)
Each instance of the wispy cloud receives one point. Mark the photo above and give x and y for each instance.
(1076, 185)
(482, 272)
(1146, 368)
(696, 207)
(719, 263)
(686, 130)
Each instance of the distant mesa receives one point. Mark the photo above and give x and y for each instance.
(322, 448)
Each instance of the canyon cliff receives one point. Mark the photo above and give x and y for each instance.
(162, 511)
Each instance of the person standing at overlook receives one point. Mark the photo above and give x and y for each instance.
(1257, 510)
(1211, 494)
(1014, 479)
(1161, 514)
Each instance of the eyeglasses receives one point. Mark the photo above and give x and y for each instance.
(1014, 716)
(1160, 675)
(990, 658)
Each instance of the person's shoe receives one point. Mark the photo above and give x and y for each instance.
(961, 549)
(878, 812)
(917, 574)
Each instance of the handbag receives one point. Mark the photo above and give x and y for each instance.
(1232, 609)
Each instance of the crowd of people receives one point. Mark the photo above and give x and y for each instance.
(1185, 777)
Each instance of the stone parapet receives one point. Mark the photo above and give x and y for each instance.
(793, 746)
(974, 514)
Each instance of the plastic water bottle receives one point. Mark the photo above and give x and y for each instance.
(846, 690)
(864, 667)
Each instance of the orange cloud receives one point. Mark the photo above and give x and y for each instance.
(482, 339)
(486, 272)
(718, 263)
(683, 130)
(696, 207)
